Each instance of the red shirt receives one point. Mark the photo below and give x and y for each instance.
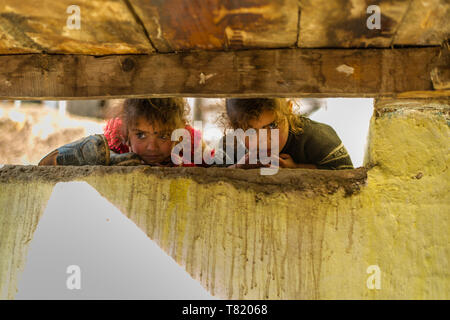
(113, 134)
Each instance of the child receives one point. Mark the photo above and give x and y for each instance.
(303, 143)
(139, 134)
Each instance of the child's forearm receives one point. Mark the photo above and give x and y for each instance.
(306, 166)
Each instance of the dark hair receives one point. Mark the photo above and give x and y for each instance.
(241, 110)
(168, 113)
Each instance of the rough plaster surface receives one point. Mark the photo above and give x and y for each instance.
(305, 234)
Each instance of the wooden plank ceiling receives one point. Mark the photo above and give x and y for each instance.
(149, 26)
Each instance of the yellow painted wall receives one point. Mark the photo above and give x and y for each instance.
(243, 242)
(21, 207)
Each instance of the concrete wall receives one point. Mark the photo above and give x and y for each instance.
(302, 234)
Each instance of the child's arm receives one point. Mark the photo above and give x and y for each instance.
(286, 161)
(325, 149)
(91, 150)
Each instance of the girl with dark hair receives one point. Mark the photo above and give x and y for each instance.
(302, 143)
(139, 133)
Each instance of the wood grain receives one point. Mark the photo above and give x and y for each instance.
(180, 25)
(426, 23)
(249, 73)
(107, 27)
(342, 23)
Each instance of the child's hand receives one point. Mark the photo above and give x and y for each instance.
(286, 161)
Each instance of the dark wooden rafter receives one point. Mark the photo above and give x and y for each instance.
(249, 73)
(143, 27)
(183, 25)
(342, 23)
(179, 25)
(139, 22)
(107, 27)
(189, 48)
(401, 22)
(425, 23)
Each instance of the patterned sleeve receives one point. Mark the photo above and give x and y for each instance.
(325, 149)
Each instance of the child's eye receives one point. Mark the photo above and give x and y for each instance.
(273, 125)
(164, 136)
(140, 135)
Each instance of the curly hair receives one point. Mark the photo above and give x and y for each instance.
(241, 110)
(168, 113)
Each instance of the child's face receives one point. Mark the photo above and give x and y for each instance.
(147, 140)
(267, 120)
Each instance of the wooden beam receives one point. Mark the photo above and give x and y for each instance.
(341, 23)
(180, 25)
(425, 23)
(106, 27)
(249, 73)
